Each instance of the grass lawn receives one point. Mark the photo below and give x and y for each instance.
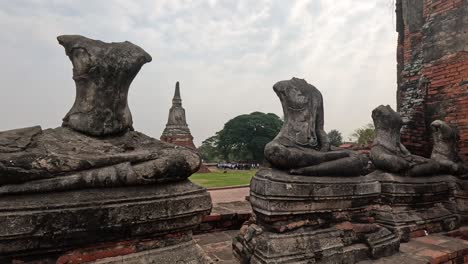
(219, 179)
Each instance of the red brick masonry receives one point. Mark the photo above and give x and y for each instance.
(432, 69)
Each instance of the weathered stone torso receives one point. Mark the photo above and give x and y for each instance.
(301, 107)
(103, 73)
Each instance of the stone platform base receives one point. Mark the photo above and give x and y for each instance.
(432, 249)
(343, 243)
(435, 203)
(144, 219)
(304, 219)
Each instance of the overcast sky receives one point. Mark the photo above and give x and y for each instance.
(226, 54)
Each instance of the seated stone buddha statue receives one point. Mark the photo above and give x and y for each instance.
(390, 155)
(302, 146)
(96, 145)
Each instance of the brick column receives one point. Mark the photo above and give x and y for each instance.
(432, 69)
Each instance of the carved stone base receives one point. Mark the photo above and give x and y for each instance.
(406, 220)
(394, 201)
(278, 197)
(337, 244)
(385, 206)
(409, 204)
(38, 225)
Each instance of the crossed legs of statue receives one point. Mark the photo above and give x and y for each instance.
(306, 161)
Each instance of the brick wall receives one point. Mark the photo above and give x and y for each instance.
(180, 140)
(432, 56)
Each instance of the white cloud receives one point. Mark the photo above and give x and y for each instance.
(227, 55)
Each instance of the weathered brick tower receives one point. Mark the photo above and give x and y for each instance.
(432, 69)
(177, 130)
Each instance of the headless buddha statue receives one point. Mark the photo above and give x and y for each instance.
(387, 153)
(302, 146)
(96, 145)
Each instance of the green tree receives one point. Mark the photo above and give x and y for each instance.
(335, 138)
(209, 151)
(365, 134)
(244, 137)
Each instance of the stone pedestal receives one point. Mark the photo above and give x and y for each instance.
(409, 204)
(304, 219)
(108, 225)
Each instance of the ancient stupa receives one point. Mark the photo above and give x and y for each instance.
(177, 131)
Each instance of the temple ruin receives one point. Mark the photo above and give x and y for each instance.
(432, 72)
(96, 191)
